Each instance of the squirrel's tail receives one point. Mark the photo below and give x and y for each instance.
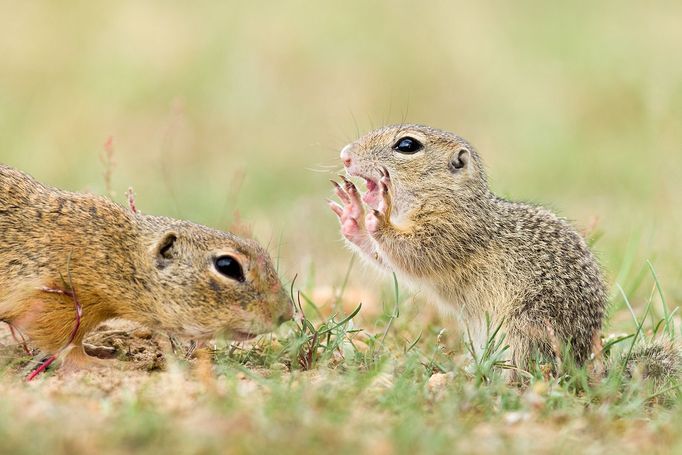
(656, 360)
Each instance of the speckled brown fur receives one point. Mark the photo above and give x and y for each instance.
(473, 252)
(113, 258)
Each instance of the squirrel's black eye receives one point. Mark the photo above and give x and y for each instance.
(230, 267)
(408, 145)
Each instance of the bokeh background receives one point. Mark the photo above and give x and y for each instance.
(234, 112)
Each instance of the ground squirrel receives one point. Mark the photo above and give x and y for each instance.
(433, 221)
(174, 276)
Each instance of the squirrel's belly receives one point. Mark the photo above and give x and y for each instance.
(479, 311)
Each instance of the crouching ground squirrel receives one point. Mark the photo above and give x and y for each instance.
(433, 221)
(58, 247)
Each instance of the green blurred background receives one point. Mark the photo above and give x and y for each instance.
(219, 108)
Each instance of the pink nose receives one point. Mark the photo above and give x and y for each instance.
(345, 155)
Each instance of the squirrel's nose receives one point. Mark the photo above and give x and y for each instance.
(345, 155)
(287, 314)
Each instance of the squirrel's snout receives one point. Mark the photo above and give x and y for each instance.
(287, 315)
(286, 310)
(345, 155)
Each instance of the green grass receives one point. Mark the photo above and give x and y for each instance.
(324, 382)
(226, 113)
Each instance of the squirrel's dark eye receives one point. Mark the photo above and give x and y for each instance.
(230, 267)
(407, 145)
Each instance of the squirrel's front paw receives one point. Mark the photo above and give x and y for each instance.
(379, 218)
(351, 214)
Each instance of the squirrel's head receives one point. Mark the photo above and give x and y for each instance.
(424, 164)
(214, 283)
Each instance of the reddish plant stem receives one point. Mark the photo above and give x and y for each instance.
(42, 367)
(131, 200)
(14, 332)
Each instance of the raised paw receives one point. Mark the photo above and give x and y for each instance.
(356, 207)
(351, 214)
(385, 203)
(381, 216)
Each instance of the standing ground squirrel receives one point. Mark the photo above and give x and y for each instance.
(436, 224)
(174, 276)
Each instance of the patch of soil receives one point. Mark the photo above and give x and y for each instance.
(129, 342)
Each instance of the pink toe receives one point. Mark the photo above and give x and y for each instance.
(371, 222)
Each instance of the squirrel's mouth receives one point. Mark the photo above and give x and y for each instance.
(241, 336)
(204, 334)
(371, 197)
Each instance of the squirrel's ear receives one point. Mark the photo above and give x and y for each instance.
(165, 250)
(459, 160)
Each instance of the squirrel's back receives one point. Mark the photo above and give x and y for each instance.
(44, 227)
(563, 286)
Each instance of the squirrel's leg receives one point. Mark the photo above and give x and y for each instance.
(51, 320)
(533, 347)
(47, 319)
(520, 354)
(78, 358)
(352, 218)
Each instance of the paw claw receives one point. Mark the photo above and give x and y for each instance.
(339, 191)
(350, 187)
(336, 208)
